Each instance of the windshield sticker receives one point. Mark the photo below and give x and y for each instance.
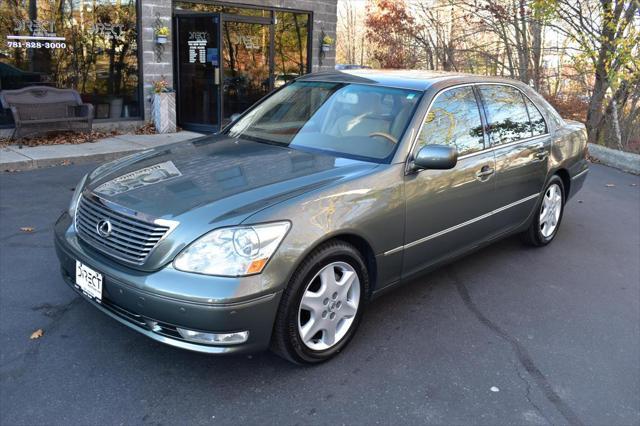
(140, 178)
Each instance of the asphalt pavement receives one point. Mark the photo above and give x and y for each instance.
(507, 335)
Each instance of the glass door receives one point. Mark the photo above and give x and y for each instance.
(198, 71)
(247, 63)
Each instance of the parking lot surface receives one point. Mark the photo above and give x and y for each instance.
(507, 335)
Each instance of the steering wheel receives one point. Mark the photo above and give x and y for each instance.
(384, 135)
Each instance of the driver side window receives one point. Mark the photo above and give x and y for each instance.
(454, 119)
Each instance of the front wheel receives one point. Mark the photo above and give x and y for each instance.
(322, 305)
(546, 221)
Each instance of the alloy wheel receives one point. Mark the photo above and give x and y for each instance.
(550, 210)
(329, 306)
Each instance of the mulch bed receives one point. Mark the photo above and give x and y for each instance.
(70, 137)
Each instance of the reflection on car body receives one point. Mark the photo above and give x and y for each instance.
(146, 176)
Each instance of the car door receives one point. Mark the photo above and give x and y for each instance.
(521, 144)
(449, 211)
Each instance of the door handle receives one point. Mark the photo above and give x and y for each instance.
(541, 154)
(485, 172)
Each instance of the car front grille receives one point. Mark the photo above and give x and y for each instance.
(130, 239)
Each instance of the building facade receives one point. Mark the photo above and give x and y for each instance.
(219, 56)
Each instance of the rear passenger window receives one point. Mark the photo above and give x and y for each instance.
(454, 119)
(538, 126)
(506, 114)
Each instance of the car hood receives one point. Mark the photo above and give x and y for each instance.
(212, 182)
(220, 179)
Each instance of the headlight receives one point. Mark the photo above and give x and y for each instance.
(76, 197)
(233, 252)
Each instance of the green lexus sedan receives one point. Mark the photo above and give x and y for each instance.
(277, 231)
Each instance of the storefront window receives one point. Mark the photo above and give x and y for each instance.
(291, 35)
(245, 55)
(200, 6)
(88, 45)
(257, 50)
(291, 40)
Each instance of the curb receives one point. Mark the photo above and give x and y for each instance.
(625, 161)
(31, 164)
(108, 149)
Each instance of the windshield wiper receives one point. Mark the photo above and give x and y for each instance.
(261, 140)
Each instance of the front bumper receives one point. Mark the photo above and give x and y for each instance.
(150, 302)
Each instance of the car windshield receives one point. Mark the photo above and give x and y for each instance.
(351, 120)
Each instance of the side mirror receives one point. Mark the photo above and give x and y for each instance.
(235, 116)
(436, 157)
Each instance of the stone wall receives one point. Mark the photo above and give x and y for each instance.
(155, 67)
(625, 161)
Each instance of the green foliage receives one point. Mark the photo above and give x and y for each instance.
(544, 10)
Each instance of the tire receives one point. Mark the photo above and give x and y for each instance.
(545, 225)
(323, 308)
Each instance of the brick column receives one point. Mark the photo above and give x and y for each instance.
(155, 66)
(324, 19)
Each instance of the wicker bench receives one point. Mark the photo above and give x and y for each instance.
(40, 109)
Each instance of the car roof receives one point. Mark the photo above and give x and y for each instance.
(404, 79)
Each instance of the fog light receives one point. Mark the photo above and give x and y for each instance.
(214, 338)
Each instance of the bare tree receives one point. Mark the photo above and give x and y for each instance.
(352, 43)
(518, 29)
(438, 33)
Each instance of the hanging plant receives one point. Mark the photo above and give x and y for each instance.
(327, 42)
(162, 35)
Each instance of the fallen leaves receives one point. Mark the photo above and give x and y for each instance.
(70, 137)
(58, 138)
(37, 334)
(593, 160)
(147, 129)
(570, 107)
(27, 229)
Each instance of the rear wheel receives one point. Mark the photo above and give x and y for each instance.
(322, 305)
(546, 221)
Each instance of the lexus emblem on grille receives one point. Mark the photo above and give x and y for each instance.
(104, 228)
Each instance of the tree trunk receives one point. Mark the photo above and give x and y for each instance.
(594, 113)
(615, 125)
(536, 50)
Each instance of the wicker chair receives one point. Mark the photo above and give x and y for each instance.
(40, 109)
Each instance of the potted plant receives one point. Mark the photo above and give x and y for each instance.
(327, 42)
(163, 107)
(162, 35)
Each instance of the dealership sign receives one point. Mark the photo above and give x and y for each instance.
(40, 34)
(108, 31)
(197, 46)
